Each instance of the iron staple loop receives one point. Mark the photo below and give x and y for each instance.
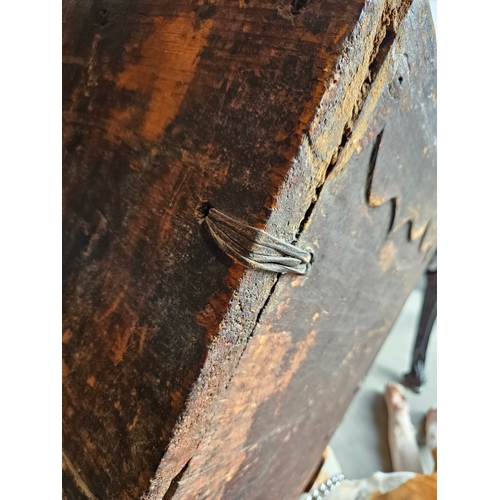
(254, 247)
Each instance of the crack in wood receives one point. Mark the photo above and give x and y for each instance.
(175, 483)
(81, 484)
(383, 41)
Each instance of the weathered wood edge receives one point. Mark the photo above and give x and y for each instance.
(339, 104)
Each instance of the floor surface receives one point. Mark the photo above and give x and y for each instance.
(360, 442)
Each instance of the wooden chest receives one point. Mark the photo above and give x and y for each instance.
(187, 374)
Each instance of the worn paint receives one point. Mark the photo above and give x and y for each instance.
(387, 255)
(167, 64)
(66, 336)
(274, 375)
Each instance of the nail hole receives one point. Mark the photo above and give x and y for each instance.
(297, 6)
(104, 17)
(203, 209)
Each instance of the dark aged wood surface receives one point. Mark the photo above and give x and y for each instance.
(245, 106)
(372, 231)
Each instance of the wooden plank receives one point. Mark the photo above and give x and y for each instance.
(167, 108)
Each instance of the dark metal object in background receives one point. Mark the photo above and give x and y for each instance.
(416, 378)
